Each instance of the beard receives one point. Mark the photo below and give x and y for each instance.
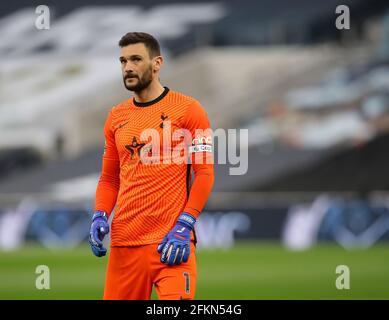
(142, 83)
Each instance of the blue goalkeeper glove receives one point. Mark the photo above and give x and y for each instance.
(98, 230)
(175, 246)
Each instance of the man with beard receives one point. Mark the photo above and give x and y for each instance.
(153, 238)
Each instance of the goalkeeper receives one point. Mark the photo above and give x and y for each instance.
(156, 203)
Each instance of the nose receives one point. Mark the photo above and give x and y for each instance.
(128, 67)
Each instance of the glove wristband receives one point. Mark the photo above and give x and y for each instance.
(187, 220)
(100, 214)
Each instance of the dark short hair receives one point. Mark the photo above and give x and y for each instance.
(148, 40)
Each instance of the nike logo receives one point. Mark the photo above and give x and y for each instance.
(122, 125)
(181, 230)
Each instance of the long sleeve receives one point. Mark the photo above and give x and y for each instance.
(201, 154)
(109, 182)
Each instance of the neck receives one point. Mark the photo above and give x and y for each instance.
(153, 91)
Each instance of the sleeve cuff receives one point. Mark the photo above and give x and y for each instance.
(192, 211)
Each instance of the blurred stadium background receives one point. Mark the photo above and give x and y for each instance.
(315, 101)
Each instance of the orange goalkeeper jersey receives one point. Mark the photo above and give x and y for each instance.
(146, 172)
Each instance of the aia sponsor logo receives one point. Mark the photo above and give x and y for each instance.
(135, 147)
